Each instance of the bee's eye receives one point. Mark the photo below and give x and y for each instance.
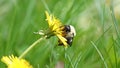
(67, 28)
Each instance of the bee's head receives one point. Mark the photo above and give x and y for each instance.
(70, 30)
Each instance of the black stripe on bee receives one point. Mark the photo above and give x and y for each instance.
(69, 33)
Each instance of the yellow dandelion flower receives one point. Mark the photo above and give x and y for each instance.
(56, 28)
(15, 62)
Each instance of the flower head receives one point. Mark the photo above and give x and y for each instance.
(56, 28)
(15, 62)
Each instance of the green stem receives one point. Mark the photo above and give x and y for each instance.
(30, 47)
(65, 57)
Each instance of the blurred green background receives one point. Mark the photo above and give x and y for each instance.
(96, 45)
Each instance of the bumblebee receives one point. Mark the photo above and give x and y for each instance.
(69, 33)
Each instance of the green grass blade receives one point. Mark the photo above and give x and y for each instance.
(115, 53)
(114, 19)
(77, 60)
(70, 61)
(100, 54)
